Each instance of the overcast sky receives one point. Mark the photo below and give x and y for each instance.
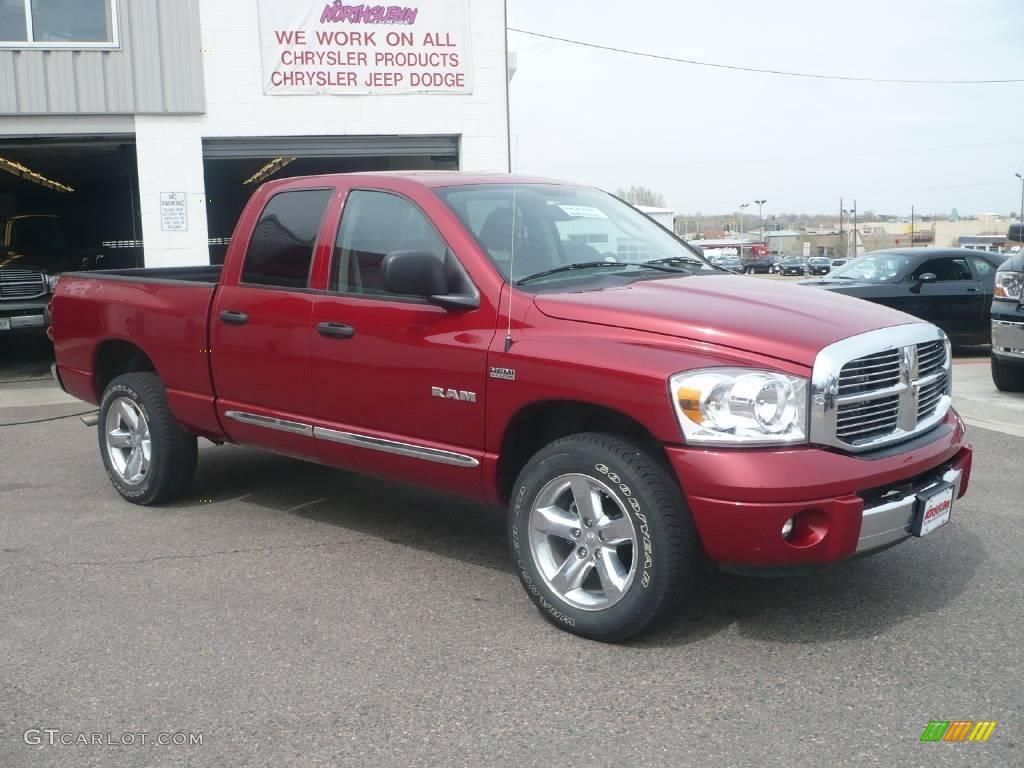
(710, 139)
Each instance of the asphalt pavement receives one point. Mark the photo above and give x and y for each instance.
(295, 615)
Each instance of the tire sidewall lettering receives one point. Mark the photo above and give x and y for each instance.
(644, 527)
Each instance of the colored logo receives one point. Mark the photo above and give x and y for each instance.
(958, 730)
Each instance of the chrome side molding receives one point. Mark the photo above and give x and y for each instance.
(282, 425)
(393, 446)
(357, 440)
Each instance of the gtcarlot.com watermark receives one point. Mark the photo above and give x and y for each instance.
(57, 737)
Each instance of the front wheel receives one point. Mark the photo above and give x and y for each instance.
(148, 456)
(1008, 377)
(603, 541)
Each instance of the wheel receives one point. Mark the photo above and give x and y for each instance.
(603, 541)
(148, 457)
(1008, 377)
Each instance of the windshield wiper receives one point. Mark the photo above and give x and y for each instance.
(656, 264)
(677, 260)
(570, 268)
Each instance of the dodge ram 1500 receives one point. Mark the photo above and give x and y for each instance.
(538, 345)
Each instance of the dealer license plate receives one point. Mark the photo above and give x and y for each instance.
(934, 507)
(5, 324)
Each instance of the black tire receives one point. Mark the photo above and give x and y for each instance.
(668, 550)
(1008, 377)
(173, 452)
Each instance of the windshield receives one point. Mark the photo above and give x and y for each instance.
(557, 226)
(793, 260)
(881, 267)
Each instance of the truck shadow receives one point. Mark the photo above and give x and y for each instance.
(853, 600)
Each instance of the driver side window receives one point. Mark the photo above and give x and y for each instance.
(374, 224)
(945, 269)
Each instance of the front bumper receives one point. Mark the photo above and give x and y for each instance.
(22, 315)
(1008, 337)
(740, 499)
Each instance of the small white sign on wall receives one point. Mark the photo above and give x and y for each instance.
(173, 212)
(807, 250)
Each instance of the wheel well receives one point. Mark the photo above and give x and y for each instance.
(116, 357)
(541, 423)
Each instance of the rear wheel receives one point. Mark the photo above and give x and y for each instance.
(148, 456)
(603, 541)
(1008, 377)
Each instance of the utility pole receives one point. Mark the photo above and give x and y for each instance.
(911, 226)
(760, 219)
(742, 206)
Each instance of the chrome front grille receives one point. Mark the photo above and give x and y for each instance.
(21, 284)
(880, 387)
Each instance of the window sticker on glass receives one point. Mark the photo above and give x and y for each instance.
(583, 211)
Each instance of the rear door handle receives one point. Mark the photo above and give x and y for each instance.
(336, 330)
(233, 317)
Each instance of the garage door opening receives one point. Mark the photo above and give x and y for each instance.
(70, 203)
(235, 167)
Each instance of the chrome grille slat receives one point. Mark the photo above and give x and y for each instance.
(866, 398)
(21, 284)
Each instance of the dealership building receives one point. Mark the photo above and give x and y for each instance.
(142, 127)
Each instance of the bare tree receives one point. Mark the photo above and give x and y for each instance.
(637, 195)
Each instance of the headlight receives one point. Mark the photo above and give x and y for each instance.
(1009, 285)
(51, 281)
(740, 406)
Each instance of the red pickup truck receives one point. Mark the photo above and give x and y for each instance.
(538, 345)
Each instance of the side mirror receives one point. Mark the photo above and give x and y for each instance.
(927, 277)
(421, 273)
(414, 273)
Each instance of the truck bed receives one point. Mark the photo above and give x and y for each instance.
(169, 275)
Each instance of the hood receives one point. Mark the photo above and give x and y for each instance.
(789, 322)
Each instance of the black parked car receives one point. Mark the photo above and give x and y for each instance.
(794, 265)
(951, 287)
(819, 265)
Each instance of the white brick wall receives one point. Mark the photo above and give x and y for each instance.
(170, 148)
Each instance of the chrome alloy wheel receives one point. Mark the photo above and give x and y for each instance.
(583, 542)
(127, 438)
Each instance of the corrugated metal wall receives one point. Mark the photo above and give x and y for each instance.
(158, 68)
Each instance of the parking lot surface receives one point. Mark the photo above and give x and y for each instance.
(297, 615)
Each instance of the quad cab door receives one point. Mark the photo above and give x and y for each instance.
(398, 381)
(260, 321)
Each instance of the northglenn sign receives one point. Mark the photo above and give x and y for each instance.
(317, 47)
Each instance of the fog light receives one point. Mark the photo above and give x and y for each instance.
(787, 528)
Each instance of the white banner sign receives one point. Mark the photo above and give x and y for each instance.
(325, 46)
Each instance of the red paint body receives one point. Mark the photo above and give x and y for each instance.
(613, 348)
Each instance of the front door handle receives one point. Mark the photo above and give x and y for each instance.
(233, 317)
(336, 330)
(972, 290)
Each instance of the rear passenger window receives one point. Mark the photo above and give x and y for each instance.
(281, 249)
(373, 225)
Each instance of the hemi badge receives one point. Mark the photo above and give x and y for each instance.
(509, 374)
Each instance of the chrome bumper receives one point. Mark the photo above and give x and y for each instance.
(891, 522)
(1008, 338)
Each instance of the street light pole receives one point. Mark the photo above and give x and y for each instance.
(760, 219)
(742, 206)
(1021, 196)
(853, 212)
